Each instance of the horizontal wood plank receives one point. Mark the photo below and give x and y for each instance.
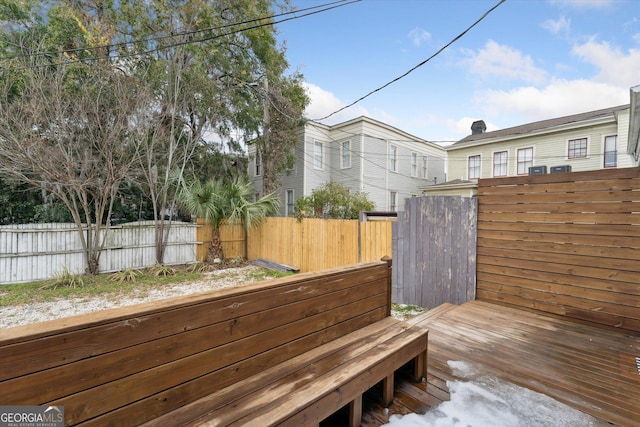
(129, 366)
(589, 368)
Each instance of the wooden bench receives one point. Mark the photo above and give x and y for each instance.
(286, 352)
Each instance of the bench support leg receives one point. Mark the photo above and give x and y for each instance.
(355, 412)
(387, 390)
(420, 365)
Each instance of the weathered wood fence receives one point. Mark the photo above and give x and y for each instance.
(434, 251)
(30, 252)
(566, 244)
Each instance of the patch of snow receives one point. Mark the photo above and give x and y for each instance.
(488, 401)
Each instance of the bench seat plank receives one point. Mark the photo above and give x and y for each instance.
(368, 358)
(264, 378)
(173, 362)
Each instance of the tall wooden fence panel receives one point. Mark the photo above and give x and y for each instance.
(232, 237)
(567, 244)
(434, 251)
(314, 244)
(376, 239)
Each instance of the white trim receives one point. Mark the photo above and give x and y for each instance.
(321, 144)
(425, 166)
(517, 161)
(479, 155)
(566, 148)
(393, 161)
(493, 164)
(342, 166)
(395, 208)
(286, 201)
(604, 158)
(414, 156)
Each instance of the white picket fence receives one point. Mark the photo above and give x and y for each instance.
(30, 252)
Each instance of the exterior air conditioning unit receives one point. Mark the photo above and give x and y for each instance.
(538, 170)
(560, 169)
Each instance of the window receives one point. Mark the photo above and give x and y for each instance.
(577, 148)
(345, 152)
(525, 160)
(393, 201)
(424, 167)
(473, 168)
(290, 203)
(500, 163)
(258, 163)
(318, 155)
(611, 151)
(393, 158)
(414, 164)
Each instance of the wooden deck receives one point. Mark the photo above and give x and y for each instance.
(590, 369)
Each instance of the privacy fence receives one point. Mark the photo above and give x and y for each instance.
(566, 244)
(38, 251)
(434, 251)
(31, 252)
(309, 245)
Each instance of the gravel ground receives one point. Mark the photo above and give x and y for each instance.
(38, 312)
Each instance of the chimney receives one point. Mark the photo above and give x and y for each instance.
(478, 127)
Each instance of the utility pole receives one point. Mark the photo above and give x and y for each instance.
(266, 119)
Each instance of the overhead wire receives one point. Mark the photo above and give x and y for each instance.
(403, 75)
(326, 7)
(167, 36)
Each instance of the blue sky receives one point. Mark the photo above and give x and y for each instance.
(528, 60)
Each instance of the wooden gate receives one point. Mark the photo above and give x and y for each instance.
(566, 244)
(434, 258)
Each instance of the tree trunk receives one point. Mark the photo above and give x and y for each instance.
(215, 247)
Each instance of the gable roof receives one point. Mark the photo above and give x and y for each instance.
(537, 126)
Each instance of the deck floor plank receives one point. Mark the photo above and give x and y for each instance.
(591, 369)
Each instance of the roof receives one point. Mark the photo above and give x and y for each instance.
(539, 125)
(453, 182)
(377, 123)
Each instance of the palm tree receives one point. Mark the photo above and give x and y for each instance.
(219, 202)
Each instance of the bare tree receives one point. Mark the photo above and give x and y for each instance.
(73, 131)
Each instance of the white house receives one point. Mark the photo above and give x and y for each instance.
(362, 154)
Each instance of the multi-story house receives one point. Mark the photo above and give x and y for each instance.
(586, 141)
(362, 154)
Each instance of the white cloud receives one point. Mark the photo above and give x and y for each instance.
(559, 98)
(323, 103)
(560, 26)
(615, 71)
(615, 66)
(501, 61)
(418, 36)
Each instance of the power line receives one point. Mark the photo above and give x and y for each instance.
(459, 36)
(173, 35)
(329, 6)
